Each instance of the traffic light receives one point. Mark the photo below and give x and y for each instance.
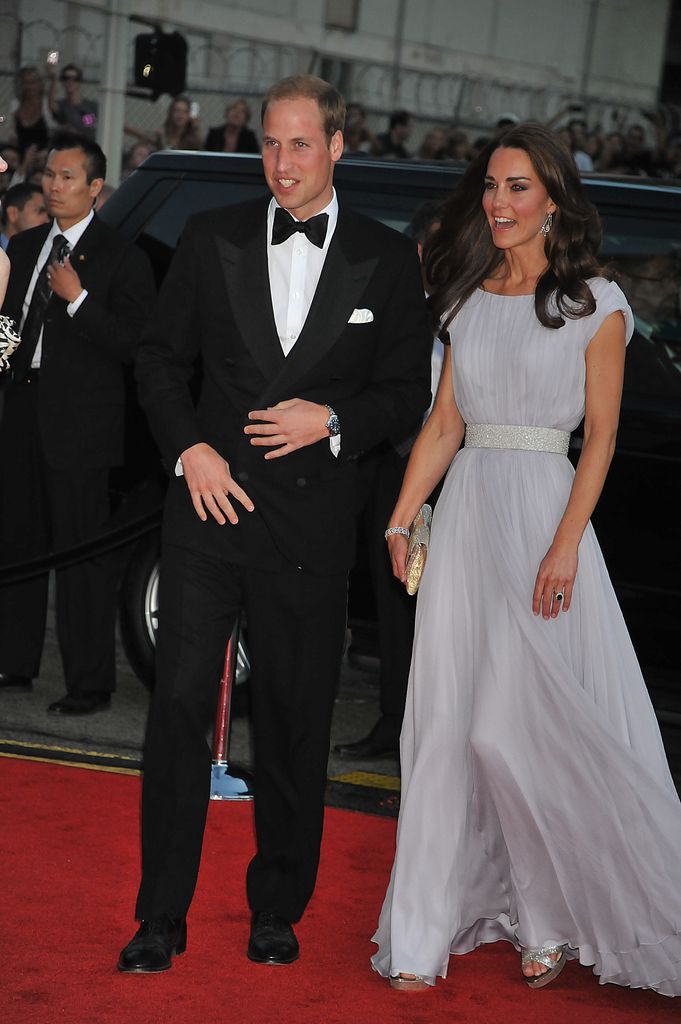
(161, 62)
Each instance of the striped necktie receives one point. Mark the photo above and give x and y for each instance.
(33, 324)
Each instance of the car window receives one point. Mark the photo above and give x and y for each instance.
(643, 255)
(190, 197)
(645, 260)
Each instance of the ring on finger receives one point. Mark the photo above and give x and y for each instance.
(558, 595)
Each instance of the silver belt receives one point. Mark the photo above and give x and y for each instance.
(530, 439)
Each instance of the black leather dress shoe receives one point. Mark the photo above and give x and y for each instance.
(80, 704)
(12, 682)
(382, 741)
(153, 946)
(272, 940)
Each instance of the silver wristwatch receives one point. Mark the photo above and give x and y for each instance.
(333, 423)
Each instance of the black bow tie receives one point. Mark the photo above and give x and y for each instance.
(285, 226)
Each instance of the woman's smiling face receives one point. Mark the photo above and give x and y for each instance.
(515, 199)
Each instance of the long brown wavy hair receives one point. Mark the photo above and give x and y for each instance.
(462, 254)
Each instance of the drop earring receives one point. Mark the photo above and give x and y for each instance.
(546, 226)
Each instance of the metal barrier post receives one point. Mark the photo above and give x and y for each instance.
(228, 782)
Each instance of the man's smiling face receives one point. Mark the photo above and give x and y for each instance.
(298, 158)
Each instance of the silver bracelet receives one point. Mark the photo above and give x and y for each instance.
(396, 529)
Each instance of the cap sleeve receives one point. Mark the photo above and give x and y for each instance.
(609, 299)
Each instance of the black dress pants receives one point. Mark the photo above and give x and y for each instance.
(380, 477)
(396, 610)
(45, 509)
(296, 630)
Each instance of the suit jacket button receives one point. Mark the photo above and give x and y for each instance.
(301, 481)
(242, 475)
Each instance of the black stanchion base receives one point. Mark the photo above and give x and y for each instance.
(229, 782)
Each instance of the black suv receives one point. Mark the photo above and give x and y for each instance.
(636, 519)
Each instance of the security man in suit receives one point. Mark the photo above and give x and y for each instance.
(81, 295)
(313, 332)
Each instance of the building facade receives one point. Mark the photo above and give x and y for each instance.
(447, 61)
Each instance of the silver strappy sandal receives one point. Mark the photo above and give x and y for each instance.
(413, 984)
(544, 955)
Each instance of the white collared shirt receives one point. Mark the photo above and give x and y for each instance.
(72, 236)
(295, 267)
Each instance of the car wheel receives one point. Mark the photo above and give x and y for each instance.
(138, 614)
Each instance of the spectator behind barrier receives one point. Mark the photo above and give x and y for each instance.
(32, 120)
(234, 136)
(73, 112)
(136, 156)
(23, 206)
(391, 144)
(180, 130)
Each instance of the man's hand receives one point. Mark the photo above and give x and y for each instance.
(288, 425)
(210, 482)
(64, 281)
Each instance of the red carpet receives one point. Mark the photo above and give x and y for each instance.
(69, 872)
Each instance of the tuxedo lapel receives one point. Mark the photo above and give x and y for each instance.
(343, 281)
(86, 246)
(248, 286)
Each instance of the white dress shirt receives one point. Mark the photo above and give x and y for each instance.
(294, 269)
(72, 236)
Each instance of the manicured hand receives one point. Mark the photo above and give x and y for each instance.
(64, 281)
(397, 549)
(288, 426)
(556, 575)
(211, 484)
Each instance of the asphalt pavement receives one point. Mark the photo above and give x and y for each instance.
(115, 737)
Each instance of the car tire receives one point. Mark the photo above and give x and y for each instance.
(138, 618)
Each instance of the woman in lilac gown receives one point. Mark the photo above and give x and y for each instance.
(537, 804)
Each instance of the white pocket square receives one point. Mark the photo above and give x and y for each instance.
(361, 316)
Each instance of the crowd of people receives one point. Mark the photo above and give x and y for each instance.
(649, 146)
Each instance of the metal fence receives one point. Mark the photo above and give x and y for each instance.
(222, 66)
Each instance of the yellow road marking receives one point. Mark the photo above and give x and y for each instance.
(65, 750)
(74, 764)
(370, 779)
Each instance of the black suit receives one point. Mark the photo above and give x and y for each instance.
(59, 437)
(287, 561)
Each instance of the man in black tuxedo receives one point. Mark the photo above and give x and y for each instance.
(313, 332)
(81, 294)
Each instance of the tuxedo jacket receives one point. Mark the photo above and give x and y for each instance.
(81, 398)
(364, 349)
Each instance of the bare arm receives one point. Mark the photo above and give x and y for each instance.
(435, 447)
(4, 274)
(604, 376)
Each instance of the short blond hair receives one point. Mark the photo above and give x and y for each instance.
(329, 100)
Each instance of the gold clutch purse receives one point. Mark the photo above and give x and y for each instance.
(417, 550)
